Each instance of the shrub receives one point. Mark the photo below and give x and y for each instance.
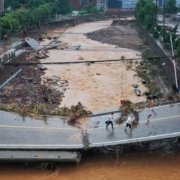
(83, 12)
(95, 10)
(122, 57)
(155, 34)
(88, 7)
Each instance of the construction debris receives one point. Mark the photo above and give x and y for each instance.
(41, 55)
(126, 109)
(77, 112)
(41, 67)
(37, 47)
(77, 47)
(33, 43)
(42, 110)
(138, 92)
(29, 87)
(40, 165)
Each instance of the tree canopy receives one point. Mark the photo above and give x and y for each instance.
(145, 12)
(62, 6)
(57, 6)
(170, 6)
(35, 11)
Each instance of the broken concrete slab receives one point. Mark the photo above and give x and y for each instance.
(33, 43)
(77, 47)
(36, 46)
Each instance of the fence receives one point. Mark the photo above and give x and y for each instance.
(7, 71)
(166, 63)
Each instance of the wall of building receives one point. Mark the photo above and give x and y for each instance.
(1, 5)
(75, 4)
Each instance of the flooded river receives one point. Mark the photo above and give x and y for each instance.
(102, 167)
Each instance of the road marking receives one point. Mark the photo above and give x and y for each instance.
(35, 145)
(30, 127)
(74, 129)
(100, 116)
(145, 121)
(140, 139)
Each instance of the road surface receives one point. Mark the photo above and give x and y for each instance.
(54, 133)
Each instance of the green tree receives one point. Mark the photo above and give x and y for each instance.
(88, 7)
(176, 43)
(155, 34)
(58, 6)
(149, 21)
(166, 38)
(36, 11)
(170, 5)
(163, 32)
(174, 30)
(144, 12)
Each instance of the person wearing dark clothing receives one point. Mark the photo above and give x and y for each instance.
(5, 37)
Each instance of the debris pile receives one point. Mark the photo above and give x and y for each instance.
(27, 88)
(164, 146)
(40, 165)
(121, 36)
(42, 110)
(128, 108)
(31, 93)
(134, 108)
(76, 112)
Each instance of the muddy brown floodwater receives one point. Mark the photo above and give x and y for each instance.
(102, 167)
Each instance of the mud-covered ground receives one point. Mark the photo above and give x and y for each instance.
(123, 36)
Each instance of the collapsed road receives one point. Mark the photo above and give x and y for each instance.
(24, 134)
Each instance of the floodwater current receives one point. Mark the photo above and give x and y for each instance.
(134, 166)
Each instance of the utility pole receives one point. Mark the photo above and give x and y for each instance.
(174, 63)
(1, 11)
(120, 9)
(156, 12)
(164, 15)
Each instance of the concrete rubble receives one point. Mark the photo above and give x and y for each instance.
(35, 45)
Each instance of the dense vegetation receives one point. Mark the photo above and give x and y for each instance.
(145, 12)
(170, 6)
(59, 6)
(33, 11)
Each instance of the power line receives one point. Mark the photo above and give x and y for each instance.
(71, 32)
(82, 62)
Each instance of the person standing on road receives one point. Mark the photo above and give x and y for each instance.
(110, 121)
(5, 37)
(129, 123)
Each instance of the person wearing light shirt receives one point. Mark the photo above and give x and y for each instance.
(129, 123)
(110, 121)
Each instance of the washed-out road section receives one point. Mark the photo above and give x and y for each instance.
(55, 134)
